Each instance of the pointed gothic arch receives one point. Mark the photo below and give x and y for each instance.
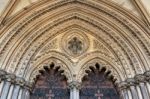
(36, 35)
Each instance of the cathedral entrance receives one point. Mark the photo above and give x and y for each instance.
(97, 86)
(51, 85)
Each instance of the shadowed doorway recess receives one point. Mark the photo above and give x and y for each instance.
(51, 85)
(97, 86)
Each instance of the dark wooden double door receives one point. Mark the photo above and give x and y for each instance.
(52, 85)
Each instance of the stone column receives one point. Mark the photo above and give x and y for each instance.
(26, 90)
(131, 83)
(123, 87)
(2, 77)
(141, 80)
(10, 91)
(19, 82)
(74, 89)
(147, 77)
(20, 93)
(9, 78)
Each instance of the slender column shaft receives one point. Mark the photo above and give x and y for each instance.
(126, 94)
(74, 93)
(123, 87)
(147, 77)
(20, 93)
(74, 90)
(148, 88)
(139, 92)
(27, 94)
(2, 77)
(129, 94)
(5, 90)
(144, 91)
(134, 92)
(23, 93)
(71, 94)
(16, 92)
(1, 87)
(10, 91)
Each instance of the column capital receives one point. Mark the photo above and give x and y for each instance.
(122, 85)
(131, 82)
(147, 75)
(20, 81)
(74, 84)
(10, 78)
(28, 86)
(140, 78)
(2, 75)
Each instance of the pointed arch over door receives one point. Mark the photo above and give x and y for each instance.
(51, 85)
(97, 86)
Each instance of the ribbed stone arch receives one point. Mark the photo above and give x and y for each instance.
(78, 16)
(56, 58)
(25, 33)
(89, 61)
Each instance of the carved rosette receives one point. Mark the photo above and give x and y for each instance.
(74, 43)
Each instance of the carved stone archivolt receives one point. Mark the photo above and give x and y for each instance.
(122, 34)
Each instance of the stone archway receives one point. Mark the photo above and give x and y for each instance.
(51, 84)
(74, 32)
(96, 85)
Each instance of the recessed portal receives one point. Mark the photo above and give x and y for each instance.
(51, 85)
(97, 86)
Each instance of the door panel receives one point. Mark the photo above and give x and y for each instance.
(51, 85)
(96, 86)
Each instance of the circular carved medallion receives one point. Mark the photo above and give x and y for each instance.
(75, 43)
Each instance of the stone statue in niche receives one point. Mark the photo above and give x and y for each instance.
(75, 45)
